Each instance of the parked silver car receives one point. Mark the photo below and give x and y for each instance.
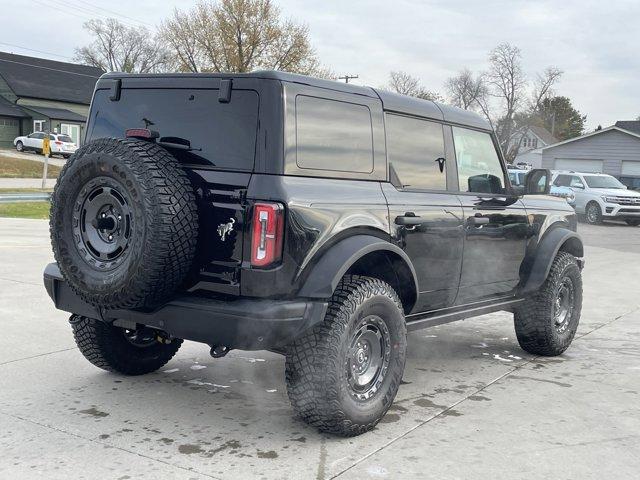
(600, 197)
(516, 176)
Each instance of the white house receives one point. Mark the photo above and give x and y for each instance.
(532, 141)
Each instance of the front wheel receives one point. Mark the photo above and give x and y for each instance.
(19, 146)
(633, 222)
(343, 375)
(115, 349)
(593, 214)
(547, 322)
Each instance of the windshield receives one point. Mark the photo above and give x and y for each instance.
(602, 181)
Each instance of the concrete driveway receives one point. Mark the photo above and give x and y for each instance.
(472, 404)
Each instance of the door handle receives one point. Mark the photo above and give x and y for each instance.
(409, 219)
(477, 221)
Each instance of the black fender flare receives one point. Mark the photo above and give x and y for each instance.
(546, 252)
(335, 262)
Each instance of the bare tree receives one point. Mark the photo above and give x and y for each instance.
(466, 91)
(543, 86)
(239, 36)
(405, 84)
(119, 48)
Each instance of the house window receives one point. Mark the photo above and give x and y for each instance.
(38, 125)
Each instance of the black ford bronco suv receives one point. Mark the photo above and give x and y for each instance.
(320, 220)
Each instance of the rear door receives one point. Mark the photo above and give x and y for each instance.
(496, 225)
(214, 138)
(425, 219)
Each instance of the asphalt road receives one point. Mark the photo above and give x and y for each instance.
(472, 404)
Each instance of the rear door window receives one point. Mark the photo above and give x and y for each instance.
(333, 135)
(479, 167)
(415, 151)
(218, 134)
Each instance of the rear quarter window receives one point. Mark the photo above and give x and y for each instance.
(333, 135)
(222, 135)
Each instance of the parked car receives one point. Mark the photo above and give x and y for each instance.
(320, 220)
(601, 197)
(60, 144)
(517, 178)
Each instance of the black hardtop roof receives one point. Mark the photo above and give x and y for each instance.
(390, 101)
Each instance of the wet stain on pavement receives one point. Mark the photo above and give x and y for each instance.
(390, 418)
(560, 384)
(479, 398)
(189, 449)
(104, 436)
(451, 413)
(397, 408)
(267, 454)
(426, 403)
(166, 441)
(299, 439)
(94, 412)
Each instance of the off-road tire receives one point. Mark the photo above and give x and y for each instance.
(593, 213)
(164, 223)
(633, 222)
(535, 321)
(106, 346)
(316, 375)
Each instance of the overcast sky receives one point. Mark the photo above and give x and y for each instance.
(594, 42)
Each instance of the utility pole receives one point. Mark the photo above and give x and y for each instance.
(346, 78)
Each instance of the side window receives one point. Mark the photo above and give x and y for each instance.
(562, 181)
(575, 181)
(52, 138)
(415, 150)
(333, 135)
(479, 168)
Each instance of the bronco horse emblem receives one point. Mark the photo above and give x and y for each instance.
(225, 229)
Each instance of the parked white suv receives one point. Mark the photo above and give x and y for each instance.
(60, 143)
(601, 197)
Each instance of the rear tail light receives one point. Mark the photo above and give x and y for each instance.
(141, 133)
(266, 234)
(58, 142)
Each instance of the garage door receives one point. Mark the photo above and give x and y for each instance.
(578, 165)
(9, 130)
(631, 168)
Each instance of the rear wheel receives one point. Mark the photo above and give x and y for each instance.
(115, 349)
(633, 222)
(343, 375)
(593, 213)
(547, 322)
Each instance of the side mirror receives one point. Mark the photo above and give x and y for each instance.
(537, 182)
(579, 186)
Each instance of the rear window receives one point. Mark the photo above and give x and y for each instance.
(333, 135)
(65, 138)
(220, 134)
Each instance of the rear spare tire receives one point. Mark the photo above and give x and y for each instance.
(123, 223)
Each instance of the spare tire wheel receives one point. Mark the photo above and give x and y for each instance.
(124, 223)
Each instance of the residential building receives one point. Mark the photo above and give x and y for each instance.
(613, 150)
(43, 95)
(532, 141)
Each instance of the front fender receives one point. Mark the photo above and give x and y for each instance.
(325, 275)
(548, 247)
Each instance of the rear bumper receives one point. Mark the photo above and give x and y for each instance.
(244, 323)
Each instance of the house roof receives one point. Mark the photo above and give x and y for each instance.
(57, 113)
(543, 134)
(8, 109)
(631, 125)
(591, 134)
(47, 79)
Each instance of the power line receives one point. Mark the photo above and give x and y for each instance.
(49, 68)
(34, 50)
(114, 13)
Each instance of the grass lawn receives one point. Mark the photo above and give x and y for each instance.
(16, 168)
(39, 210)
(25, 190)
